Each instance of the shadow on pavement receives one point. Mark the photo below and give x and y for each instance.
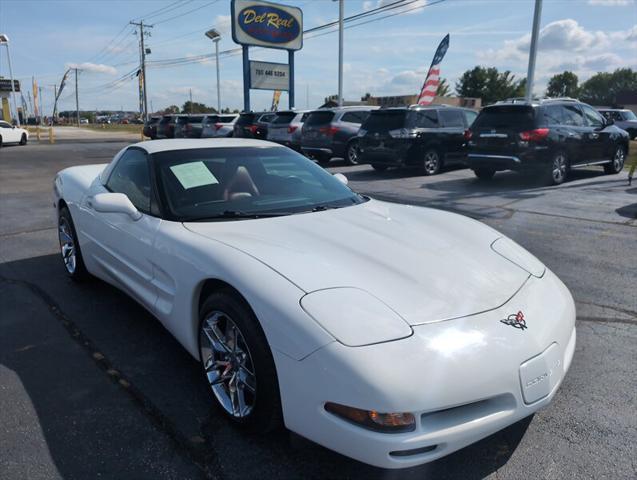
(166, 390)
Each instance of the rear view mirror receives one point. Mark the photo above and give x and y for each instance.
(114, 203)
(341, 178)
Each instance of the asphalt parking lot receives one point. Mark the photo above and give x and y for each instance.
(92, 386)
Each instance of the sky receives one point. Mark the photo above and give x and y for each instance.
(387, 56)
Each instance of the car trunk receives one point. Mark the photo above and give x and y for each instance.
(316, 129)
(377, 127)
(278, 129)
(497, 129)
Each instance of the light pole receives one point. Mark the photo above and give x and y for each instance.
(215, 36)
(533, 51)
(4, 40)
(340, 52)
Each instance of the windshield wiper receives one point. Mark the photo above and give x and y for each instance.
(231, 214)
(320, 208)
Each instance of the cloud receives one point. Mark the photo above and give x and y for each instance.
(611, 3)
(565, 37)
(223, 24)
(93, 67)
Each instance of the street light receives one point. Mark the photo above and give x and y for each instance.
(215, 36)
(4, 40)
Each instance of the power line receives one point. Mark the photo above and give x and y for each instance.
(186, 13)
(161, 11)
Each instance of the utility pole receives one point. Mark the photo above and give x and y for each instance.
(340, 52)
(190, 94)
(142, 48)
(41, 105)
(77, 101)
(533, 51)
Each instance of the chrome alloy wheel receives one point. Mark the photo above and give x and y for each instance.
(618, 159)
(352, 153)
(559, 168)
(432, 162)
(228, 364)
(67, 245)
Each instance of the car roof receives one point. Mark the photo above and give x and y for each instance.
(166, 145)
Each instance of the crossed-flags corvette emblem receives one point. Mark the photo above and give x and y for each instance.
(516, 320)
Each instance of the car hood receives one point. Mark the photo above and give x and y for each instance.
(425, 264)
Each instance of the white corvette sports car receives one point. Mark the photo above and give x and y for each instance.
(389, 333)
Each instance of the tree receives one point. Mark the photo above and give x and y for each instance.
(196, 107)
(443, 89)
(171, 109)
(489, 84)
(602, 88)
(563, 85)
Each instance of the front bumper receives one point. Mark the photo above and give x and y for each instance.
(463, 380)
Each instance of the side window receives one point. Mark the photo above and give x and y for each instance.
(593, 118)
(451, 118)
(469, 116)
(572, 115)
(427, 119)
(352, 117)
(618, 116)
(553, 115)
(4, 125)
(131, 176)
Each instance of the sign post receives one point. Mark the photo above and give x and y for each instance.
(270, 25)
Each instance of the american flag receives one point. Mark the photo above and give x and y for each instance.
(429, 88)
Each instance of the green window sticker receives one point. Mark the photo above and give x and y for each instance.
(193, 174)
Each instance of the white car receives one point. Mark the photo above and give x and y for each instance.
(221, 126)
(389, 333)
(12, 134)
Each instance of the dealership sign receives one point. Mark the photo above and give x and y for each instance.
(269, 76)
(267, 24)
(5, 85)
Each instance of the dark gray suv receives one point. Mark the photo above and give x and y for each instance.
(332, 132)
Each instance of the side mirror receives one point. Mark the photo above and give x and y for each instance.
(341, 178)
(610, 121)
(114, 203)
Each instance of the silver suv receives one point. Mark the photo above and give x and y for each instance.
(286, 128)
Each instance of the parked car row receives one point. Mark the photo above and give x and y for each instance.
(547, 137)
(190, 126)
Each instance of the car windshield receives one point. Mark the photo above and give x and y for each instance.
(231, 183)
(629, 115)
(384, 120)
(505, 117)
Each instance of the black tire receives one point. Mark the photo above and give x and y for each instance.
(23, 140)
(484, 173)
(617, 162)
(431, 161)
(0, 142)
(77, 271)
(352, 153)
(558, 169)
(265, 413)
(379, 168)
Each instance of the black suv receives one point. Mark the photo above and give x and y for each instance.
(416, 136)
(547, 136)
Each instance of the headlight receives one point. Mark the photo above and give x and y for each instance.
(516, 254)
(361, 132)
(355, 317)
(373, 420)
